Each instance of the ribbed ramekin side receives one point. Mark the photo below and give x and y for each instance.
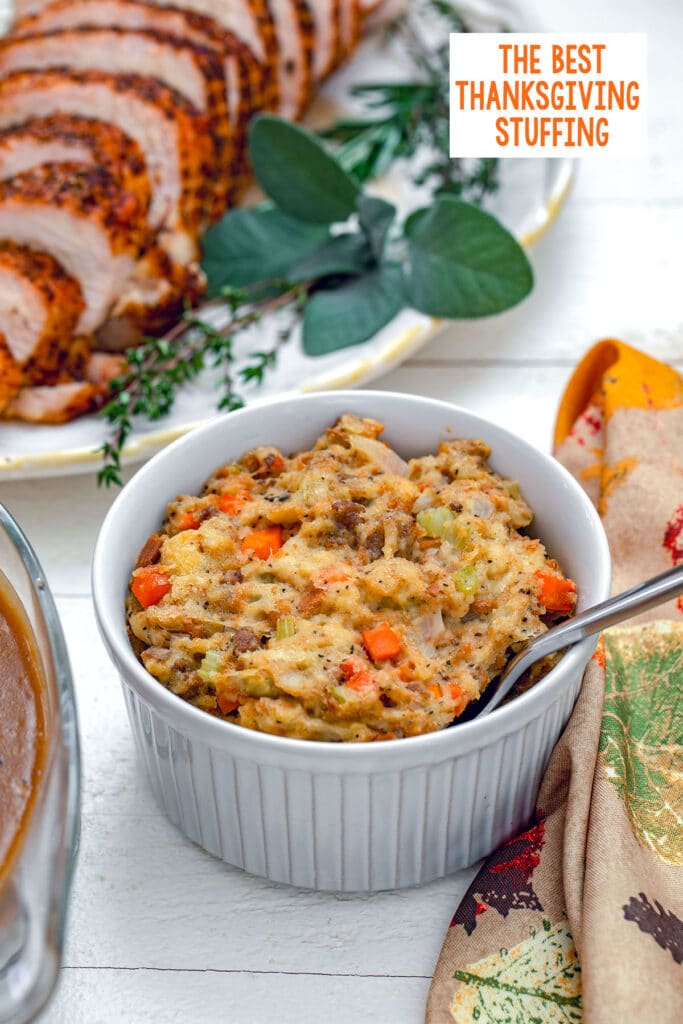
(348, 832)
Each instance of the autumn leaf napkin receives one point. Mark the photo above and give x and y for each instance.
(581, 916)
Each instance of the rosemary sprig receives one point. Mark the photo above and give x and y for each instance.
(410, 119)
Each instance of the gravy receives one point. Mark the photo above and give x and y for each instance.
(23, 746)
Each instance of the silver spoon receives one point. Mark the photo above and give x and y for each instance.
(638, 599)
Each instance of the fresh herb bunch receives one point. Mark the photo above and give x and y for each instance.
(328, 257)
(410, 120)
(159, 367)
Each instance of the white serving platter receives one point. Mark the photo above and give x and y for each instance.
(530, 195)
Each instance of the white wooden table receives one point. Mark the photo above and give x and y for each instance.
(159, 931)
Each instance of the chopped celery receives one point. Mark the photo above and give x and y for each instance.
(433, 520)
(285, 627)
(456, 534)
(258, 686)
(211, 663)
(466, 580)
(338, 693)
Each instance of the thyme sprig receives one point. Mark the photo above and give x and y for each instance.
(158, 367)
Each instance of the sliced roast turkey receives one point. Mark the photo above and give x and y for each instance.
(80, 216)
(67, 138)
(10, 376)
(184, 24)
(57, 403)
(249, 20)
(295, 39)
(349, 31)
(172, 134)
(327, 29)
(151, 301)
(40, 306)
(193, 71)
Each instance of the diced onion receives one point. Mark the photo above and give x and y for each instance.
(313, 489)
(431, 626)
(379, 453)
(426, 500)
(482, 508)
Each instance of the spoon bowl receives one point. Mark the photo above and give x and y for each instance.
(608, 613)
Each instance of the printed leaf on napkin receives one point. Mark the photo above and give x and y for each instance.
(641, 744)
(664, 927)
(538, 980)
(504, 883)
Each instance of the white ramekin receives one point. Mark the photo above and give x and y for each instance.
(358, 816)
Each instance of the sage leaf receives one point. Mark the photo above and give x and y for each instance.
(463, 263)
(349, 253)
(248, 246)
(295, 170)
(339, 317)
(375, 217)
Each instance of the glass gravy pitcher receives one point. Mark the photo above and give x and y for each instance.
(36, 881)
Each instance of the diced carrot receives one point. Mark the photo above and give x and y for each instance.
(385, 736)
(459, 697)
(556, 594)
(188, 522)
(233, 503)
(331, 574)
(149, 585)
(360, 681)
(263, 543)
(351, 666)
(435, 690)
(382, 643)
(226, 704)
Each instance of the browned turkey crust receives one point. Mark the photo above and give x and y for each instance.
(326, 16)
(295, 40)
(80, 216)
(63, 137)
(192, 70)
(248, 20)
(10, 376)
(172, 134)
(350, 23)
(40, 306)
(186, 25)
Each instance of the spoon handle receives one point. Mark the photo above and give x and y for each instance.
(631, 602)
